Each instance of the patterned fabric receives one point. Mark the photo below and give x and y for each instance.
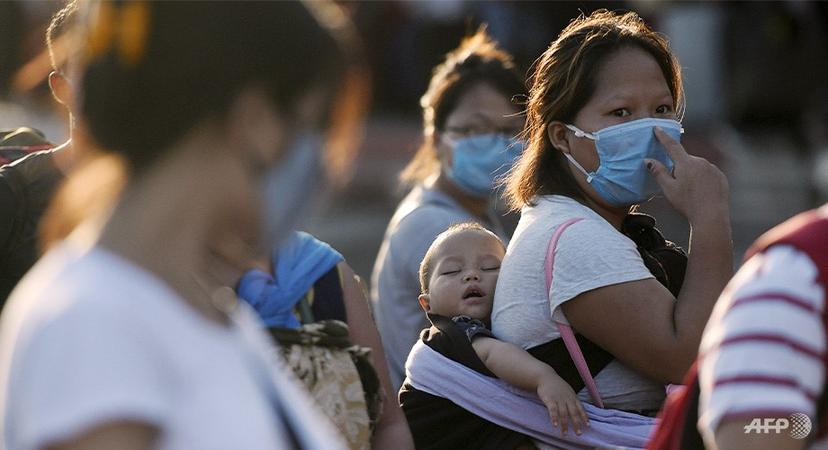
(338, 374)
(472, 327)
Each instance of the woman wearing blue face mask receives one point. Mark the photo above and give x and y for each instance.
(125, 334)
(604, 135)
(469, 129)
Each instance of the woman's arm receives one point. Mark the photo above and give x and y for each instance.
(123, 435)
(515, 366)
(640, 322)
(392, 429)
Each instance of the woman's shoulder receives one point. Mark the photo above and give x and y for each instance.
(426, 218)
(424, 203)
(75, 286)
(549, 212)
(586, 240)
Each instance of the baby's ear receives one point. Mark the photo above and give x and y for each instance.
(423, 298)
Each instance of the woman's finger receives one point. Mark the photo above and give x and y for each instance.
(673, 148)
(662, 175)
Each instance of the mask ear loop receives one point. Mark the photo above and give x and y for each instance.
(589, 177)
(581, 134)
(451, 142)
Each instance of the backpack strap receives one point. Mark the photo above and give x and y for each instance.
(567, 334)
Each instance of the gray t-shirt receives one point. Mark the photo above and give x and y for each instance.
(590, 254)
(395, 284)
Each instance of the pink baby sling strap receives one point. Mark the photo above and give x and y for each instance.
(567, 334)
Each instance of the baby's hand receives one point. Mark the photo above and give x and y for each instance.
(561, 402)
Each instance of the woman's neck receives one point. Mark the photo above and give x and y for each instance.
(477, 206)
(615, 216)
(161, 224)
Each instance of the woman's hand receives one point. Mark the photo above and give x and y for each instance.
(696, 188)
(562, 402)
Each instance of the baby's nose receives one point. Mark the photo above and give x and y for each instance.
(471, 276)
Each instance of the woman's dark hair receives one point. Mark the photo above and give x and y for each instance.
(154, 70)
(477, 59)
(563, 81)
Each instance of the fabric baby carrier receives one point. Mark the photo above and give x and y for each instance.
(808, 233)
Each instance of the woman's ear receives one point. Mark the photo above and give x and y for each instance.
(443, 150)
(423, 298)
(558, 135)
(255, 125)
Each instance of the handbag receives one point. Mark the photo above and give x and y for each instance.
(338, 374)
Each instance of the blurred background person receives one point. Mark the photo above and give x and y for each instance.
(470, 126)
(25, 65)
(125, 335)
(27, 186)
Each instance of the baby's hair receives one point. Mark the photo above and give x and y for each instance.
(426, 264)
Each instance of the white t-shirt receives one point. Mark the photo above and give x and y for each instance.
(590, 254)
(89, 338)
(764, 346)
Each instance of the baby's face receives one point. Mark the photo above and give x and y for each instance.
(464, 275)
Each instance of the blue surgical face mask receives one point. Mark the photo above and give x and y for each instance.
(622, 178)
(288, 187)
(478, 161)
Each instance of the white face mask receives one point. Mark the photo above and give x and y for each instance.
(288, 187)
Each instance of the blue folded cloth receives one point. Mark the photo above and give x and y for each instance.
(298, 262)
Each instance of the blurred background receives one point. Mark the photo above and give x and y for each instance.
(756, 79)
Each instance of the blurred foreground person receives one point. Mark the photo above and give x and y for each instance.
(761, 370)
(27, 186)
(122, 335)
